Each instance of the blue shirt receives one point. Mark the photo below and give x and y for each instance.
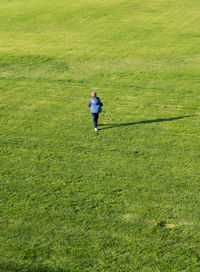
(95, 104)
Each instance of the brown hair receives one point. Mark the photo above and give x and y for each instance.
(93, 94)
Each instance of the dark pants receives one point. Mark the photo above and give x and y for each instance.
(95, 117)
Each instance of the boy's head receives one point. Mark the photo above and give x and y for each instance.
(93, 94)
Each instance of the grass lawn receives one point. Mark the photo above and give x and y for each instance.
(124, 199)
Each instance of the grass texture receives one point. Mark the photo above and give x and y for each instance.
(124, 199)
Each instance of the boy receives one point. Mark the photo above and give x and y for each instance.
(95, 104)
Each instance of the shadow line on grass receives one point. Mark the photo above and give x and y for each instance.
(108, 126)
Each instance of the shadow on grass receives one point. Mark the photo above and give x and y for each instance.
(108, 126)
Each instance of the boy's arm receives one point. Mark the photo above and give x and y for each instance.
(89, 104)
(101, 104)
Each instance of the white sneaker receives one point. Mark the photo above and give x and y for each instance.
(96, 129)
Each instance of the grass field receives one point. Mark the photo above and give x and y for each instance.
(126, 198)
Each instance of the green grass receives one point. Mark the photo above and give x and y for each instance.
(127, 198)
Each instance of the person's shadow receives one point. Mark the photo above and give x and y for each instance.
(108, 126)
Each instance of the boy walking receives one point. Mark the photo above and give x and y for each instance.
(95, 104)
